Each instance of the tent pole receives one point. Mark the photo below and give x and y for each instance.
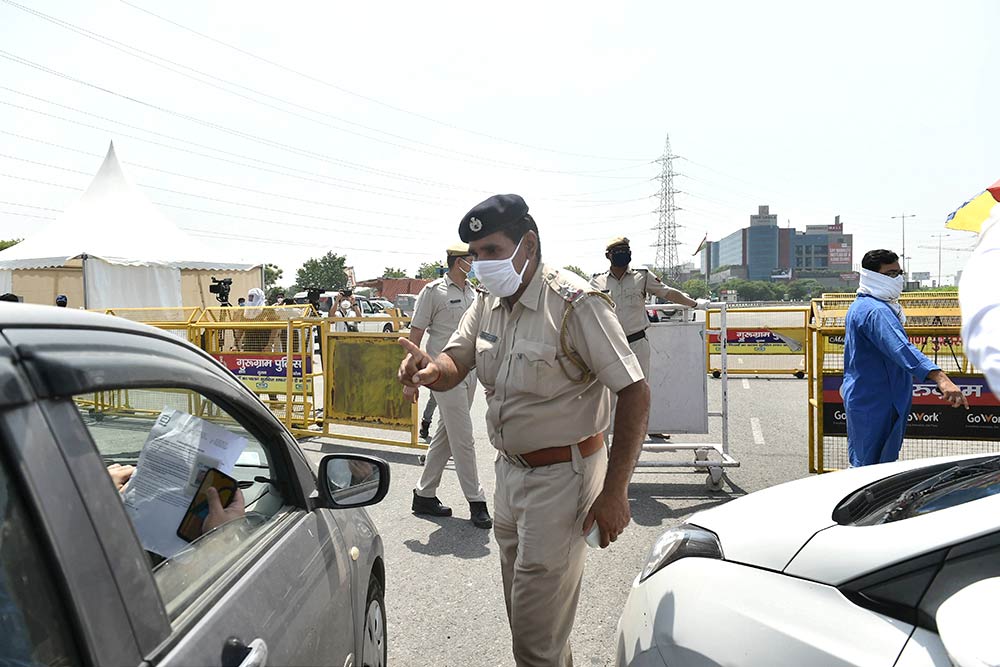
(86, 298)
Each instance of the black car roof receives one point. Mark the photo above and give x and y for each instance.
(20, 315)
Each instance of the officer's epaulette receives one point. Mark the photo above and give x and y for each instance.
(565, 286)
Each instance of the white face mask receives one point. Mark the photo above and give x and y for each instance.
(345, 305)
(499, 275)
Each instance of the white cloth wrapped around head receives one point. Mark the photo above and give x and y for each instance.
(883, 288)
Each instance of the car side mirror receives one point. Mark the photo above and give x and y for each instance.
(966, 627)
(352, 480)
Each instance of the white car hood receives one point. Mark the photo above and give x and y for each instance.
(767, 528)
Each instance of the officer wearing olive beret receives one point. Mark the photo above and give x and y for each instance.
(440, 306)
(628, 288)
(547, 349)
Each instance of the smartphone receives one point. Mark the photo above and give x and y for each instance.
(190, 528)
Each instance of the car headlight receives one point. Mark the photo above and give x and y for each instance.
(681, 542)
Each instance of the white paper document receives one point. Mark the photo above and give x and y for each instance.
(178, 451)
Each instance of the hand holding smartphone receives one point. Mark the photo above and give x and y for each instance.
(191, 525)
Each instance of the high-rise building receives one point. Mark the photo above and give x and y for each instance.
(765, 251)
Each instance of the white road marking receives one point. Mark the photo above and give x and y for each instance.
(758, 434)
(746, 383)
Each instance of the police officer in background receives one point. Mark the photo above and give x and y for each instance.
(440, 306)
(547, 349)
(628, 289)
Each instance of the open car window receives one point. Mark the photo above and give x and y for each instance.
(159, 446)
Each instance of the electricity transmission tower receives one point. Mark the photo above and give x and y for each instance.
(666, 238)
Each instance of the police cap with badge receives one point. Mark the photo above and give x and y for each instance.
(458, 250)
(491, 216)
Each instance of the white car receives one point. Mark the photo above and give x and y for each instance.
(849, 568)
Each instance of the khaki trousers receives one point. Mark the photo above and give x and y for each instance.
(538, 521)
(453, 437)
(642, 351)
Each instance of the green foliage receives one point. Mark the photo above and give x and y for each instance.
(755, 290)
(429, 270)
(390, 272)
(272, 274)
(577, 270)
(326, 272)
(6, 244)
(943, 288)
(271, 293)
(803, 290)
(696, 289)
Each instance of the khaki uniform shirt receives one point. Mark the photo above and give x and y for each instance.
(629, 295)
(532, 402)
(440, 306)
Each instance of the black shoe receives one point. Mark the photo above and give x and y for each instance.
(430, 506)
(480, 515)
(425, 430)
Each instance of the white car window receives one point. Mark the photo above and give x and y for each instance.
(122, 425)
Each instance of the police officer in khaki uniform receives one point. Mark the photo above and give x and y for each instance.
(439, 309)
(628, 289)
(547, 349)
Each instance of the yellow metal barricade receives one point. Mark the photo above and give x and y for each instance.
(933, 325)
(271, 351)
(760, 341)
(360, 391)
(171, 319)
(318, 377)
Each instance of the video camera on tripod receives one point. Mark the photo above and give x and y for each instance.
(221, 287)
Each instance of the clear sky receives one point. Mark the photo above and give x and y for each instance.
(376, 126)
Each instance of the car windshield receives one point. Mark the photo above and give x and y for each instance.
(957, 485)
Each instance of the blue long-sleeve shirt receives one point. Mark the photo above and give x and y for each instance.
(879, 360)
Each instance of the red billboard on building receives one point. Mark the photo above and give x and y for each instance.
(839, 254)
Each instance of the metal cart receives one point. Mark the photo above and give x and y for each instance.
(710, 457)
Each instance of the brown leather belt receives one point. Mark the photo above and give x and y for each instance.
(552, 455)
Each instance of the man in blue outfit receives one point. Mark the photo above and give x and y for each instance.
(880, 364)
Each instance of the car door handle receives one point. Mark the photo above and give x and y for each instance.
(237, 654)
(257, 655)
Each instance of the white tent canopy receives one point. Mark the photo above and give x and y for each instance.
(130, 252)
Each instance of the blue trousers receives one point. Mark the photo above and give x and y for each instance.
(874, 436)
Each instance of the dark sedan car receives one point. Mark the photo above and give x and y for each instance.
(93, 569)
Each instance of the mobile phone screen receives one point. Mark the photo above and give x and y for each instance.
(190, 528)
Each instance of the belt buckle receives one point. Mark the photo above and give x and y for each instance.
(515, 460)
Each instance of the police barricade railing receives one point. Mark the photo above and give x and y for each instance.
(933, 428)
(759, 341)
(177, 319)
(390, 321)
(360, 391)
(270, 350)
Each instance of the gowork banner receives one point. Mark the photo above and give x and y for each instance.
(930, 416)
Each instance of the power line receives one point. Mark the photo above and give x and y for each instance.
(373, 100)
(278, 241)
(219, 183)
(263, 140)
(268, 209)
(346, 184)
(323, 179)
